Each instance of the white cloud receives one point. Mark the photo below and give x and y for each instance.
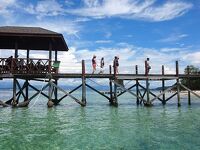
(103, 41)
(45, 8)
(60, 26)
(132, 9)
(69, 62)
(66, 27)
(169, 50)
(5, 10)
(167, 11)
(192, 57)
(174, 38)
(131, 55)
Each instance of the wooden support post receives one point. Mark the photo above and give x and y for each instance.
(13, 67)
(178, 84)
(177, 69)
(14, 102)
(26, 82)
(50, 91)
(26, 88)
(56, 92)
(83, 83)
(137, 85)
(50, 103)
(148, 102)
(50, 56)
(110, 84)
(115, 101)
(16, 49)
(163, 85)
(178, 92)
(56, 55)
(56, 80)
(189, 97)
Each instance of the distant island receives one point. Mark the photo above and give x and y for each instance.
(193, 84)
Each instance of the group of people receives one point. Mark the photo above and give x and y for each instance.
(94, 64)
(115, 65)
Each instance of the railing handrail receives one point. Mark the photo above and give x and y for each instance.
(25, 65)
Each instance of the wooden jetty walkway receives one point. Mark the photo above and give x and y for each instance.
(47, 70)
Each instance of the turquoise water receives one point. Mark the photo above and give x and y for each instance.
(100, 126)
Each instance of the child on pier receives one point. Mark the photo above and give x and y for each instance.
(101, 65)
(94, 64)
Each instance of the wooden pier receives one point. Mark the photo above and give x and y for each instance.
(47, 71)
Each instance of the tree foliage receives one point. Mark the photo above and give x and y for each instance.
(193, 84)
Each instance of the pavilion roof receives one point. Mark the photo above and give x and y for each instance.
(32, 38)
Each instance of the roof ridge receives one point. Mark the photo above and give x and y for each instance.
(25, 30)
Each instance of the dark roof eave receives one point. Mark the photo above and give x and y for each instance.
(8, 35)
(30, 35)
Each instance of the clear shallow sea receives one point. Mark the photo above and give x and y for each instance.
(100, 126)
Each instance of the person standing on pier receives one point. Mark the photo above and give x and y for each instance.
(94, 64)
(147, 66)
(101, 65)
(116, 64)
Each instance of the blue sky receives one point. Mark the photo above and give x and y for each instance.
(163, 30)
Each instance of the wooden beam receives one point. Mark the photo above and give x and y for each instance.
(38, 91)
(166, 90)
(189, 90)
(74, 98)
(150, 92)
(127, 90)
(33, 96)
(69, 93)
(98, 91)
(171, 96)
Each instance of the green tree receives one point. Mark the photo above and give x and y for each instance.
(193, 84)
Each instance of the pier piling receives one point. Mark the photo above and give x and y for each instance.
(137, 85)
(188, 79)
(83, 83)
(110, 85)
(178, 84)
(163, 85)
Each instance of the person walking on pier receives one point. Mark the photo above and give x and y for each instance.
(116, 64)
(94, 64)
(101, 65)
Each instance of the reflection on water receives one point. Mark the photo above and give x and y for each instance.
(100, 126)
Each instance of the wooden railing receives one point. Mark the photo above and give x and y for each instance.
(25, 66)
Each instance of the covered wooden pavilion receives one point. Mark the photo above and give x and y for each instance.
(28, 39)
